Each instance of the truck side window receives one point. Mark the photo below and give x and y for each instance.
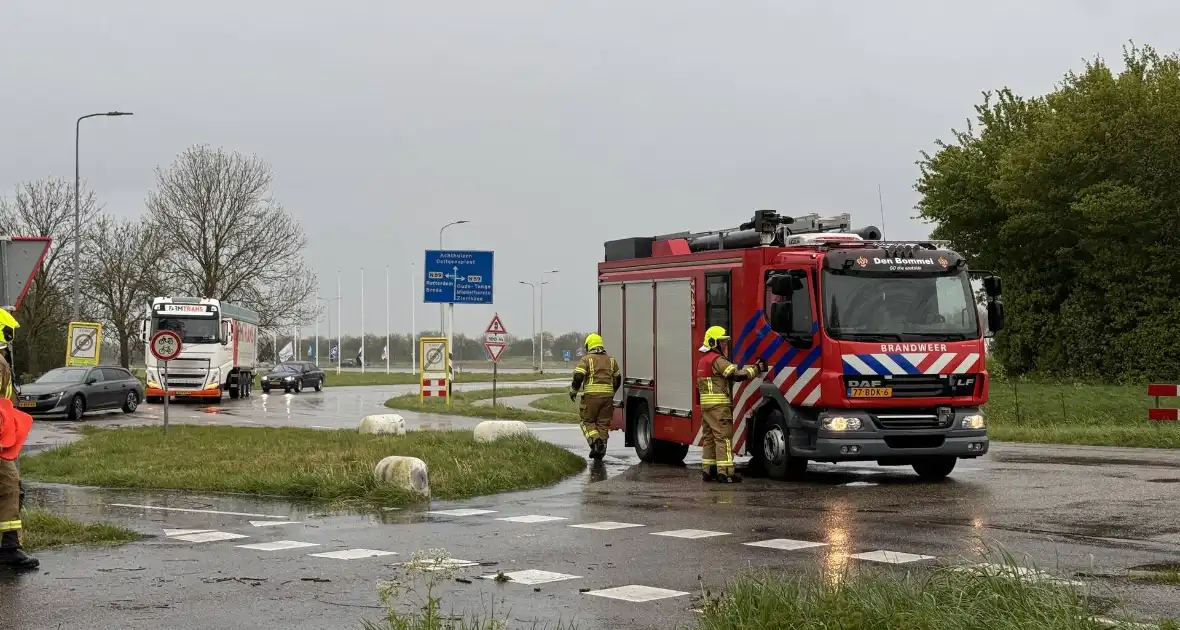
(800, 301)
(717, 300)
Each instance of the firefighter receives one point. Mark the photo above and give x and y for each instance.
(597, 377)
(14, 429)
(714, 376)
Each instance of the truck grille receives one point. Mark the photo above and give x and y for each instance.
(908, 419)
(185, 380)
(918, 385)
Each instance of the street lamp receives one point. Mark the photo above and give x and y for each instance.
(533, 312)
(442, 324)
(78, 212)
(542, 284)
(326, 302)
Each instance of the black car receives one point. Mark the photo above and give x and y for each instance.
(73, 391)
(293, 376)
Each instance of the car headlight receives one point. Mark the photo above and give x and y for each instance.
(289, 378)
(840, 423)
(974, 421)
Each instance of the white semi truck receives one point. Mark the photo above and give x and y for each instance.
(219, 350)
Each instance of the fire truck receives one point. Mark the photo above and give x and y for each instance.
(219, 350)
(875, 348)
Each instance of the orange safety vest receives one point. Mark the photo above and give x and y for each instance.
(14, 429)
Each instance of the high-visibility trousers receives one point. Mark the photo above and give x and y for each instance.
(595, 412)
(717, 438)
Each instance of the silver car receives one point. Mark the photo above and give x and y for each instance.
(74, 391)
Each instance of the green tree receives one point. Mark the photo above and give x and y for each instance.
(1073, 197)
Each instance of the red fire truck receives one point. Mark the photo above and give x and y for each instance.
(875, 348)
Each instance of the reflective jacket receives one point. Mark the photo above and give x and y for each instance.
(597, 374)
(14, 424)
(714, 374)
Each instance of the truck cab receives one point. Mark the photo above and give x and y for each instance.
(218, 349)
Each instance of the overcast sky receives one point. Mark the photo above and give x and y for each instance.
(551, 125)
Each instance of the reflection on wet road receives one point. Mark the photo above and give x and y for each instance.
(635, 536)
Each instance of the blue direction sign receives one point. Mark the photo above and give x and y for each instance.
(459, 277)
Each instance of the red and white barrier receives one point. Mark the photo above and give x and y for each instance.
(1157, 413)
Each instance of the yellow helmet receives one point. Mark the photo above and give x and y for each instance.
(8, 326)
(593, 340)
(713, 335)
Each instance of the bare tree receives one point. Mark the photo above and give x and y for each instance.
(121, 273)
(46, 208)
(226, 238)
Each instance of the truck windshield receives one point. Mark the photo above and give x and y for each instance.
(191, 329)
(892, 307)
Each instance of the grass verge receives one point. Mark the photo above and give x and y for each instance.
(941, 600)
(1076, 413)
(559, 403)
(44, 529)
(462, 404)
(300, 463)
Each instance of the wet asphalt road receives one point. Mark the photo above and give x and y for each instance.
(1066, 510)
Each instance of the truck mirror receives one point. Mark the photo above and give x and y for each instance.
(780, 285)
(992, 286)
(781, 317)
(225, 331)
(995, 315)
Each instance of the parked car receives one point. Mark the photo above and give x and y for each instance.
(74, 391)
(293, 376)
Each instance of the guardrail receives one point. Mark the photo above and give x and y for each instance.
(1157, 413)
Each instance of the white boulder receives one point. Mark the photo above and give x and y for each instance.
(408, 473)
(490, 430)
(384, 424)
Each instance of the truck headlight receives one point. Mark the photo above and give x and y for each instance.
(974, 421)
(840, 423)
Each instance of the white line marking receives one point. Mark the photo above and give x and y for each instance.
(532, 518)
(690, 533)
(184, 532)
(967, 363)
(857, 364)
(941, 362)
(278, 545)
(606, 525)
(272, 523)
(530, 577)
(636, 593)
(208, 537)
(890, 557)
(172, 509)
(352, 554)
(785, 544)
(859, 484)
(461, 512)
(889, 363)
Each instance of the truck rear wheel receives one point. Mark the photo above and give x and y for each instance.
(650, 449)
(934, 468)
(774, 448)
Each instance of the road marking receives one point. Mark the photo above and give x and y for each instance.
(532, 518)
(173, 509)
(636, 593)
(272, 523)
(606, 525)
(1002, 570)
(890, 557)
(208, 537)
(352, 554)
(278, 545)
(531, 577)
(184, 532)
(690, 533)
(859, 484)
(461, 512)
(785, 544)
(440, 564)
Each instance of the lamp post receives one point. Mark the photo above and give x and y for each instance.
(542, 284)
(326, 302)
(78, 210)
(533, 313)
(442, 322)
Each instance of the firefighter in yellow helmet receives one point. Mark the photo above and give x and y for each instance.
(714, 376)
(597, 377)
(14, 428)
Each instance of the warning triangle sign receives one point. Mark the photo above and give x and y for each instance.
(496, 327)
(494, 350)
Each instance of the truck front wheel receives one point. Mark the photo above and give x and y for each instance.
(934, 468)
(774, 448)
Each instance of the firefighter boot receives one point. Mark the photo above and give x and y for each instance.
(11, 555)
(709, 474)
(597, 450)
(729, 476)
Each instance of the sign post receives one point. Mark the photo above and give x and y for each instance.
(457, 277)
(434, 369)
(494, 341)
(83, 344)
(165, 346)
